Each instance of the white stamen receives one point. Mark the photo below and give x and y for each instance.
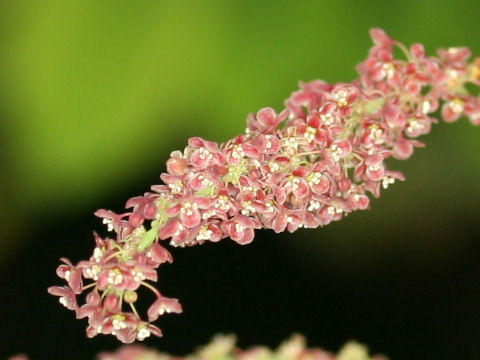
(97, 254)
(248, 208)
(274, 167)
(204, 233)
(204, 154)
(222, 203)
(313, 205)
(310, 133)
(426, 107)
(239, 228)
(453, 50)
(237, 152)
(118, 324)
(388, 70)
(341, 97)
(290, 144)
(314, 178)
(336, 152)
(270, 207)
(188, 208)
(143, 334)
(387, 180)
(176, 188)
(456, 106)
(332, 210)
(138, 276)
(268, 144)
(179, 230)
(208, 214)
(67, 275)
(293, 183)
(109, 224)
(414, 125)
(114, 277)
(376, 134)
(92, 272)
(250, 189)
(63, 301)
(327, 119)
(452, 73)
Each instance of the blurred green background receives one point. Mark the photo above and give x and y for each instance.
(94, 95)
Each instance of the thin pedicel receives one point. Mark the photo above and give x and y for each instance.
(311, 164)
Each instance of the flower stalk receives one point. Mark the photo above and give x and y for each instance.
(313, 163)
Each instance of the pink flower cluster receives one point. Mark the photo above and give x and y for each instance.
(308, 165)
(223, 347)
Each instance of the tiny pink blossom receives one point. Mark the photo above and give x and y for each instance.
(67, 296)
(163, 305)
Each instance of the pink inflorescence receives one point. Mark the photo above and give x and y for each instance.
(224, 347)
(311, 164)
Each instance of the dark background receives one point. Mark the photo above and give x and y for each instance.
(95, 95)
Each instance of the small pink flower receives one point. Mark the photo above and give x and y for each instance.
(268, 144)
(190, 214)
(135, 220)
(319, 182)
(266, 119)
(176, 166)
(417, 126)
(240, 230)
(417, 50)
(163, 305)
(453, 109)
(375, 170)
(67, 296)
(159, 255)
(280, 222)
(111, 303)
(172, 227)
(72, 275)
(403, 148)
(455, 56)
(472, 110)
(391, 114)
(381, 39)
(112, 220)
